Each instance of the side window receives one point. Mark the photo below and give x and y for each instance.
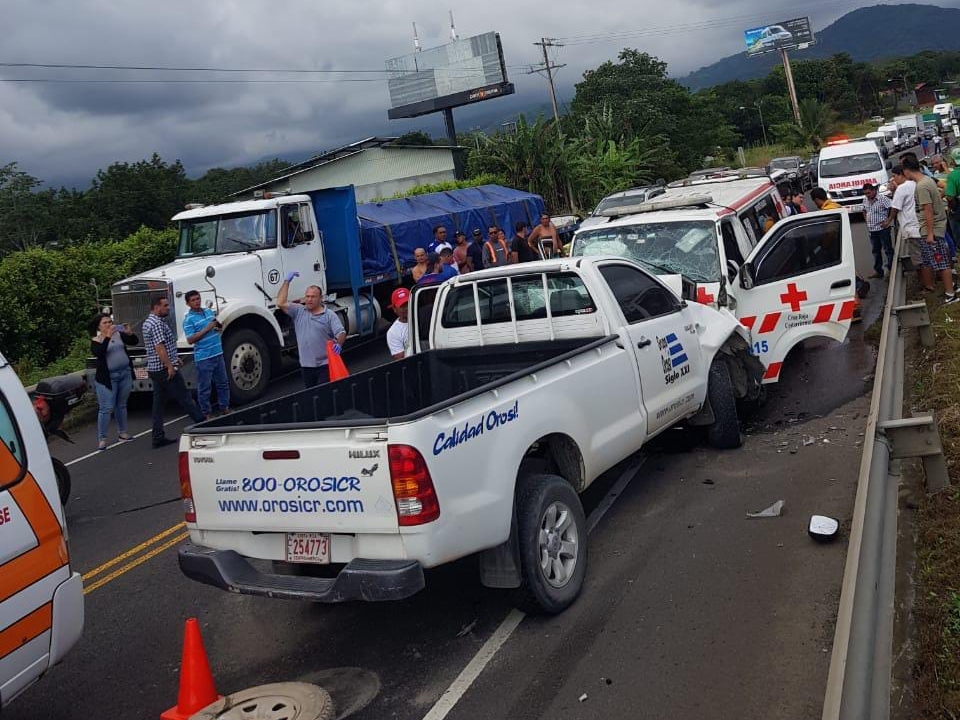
(569, 296)
(13, 462)
(801, 249)
(639, 296)
(528, 300)
(731, 249)
(295, 224)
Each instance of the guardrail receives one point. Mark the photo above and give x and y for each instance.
(859, 681)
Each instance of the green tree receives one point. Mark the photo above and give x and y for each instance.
(218, 184)
(414, 137)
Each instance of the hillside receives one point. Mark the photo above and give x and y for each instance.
(868, 33)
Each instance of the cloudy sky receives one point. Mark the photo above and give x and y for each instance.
(62, 132)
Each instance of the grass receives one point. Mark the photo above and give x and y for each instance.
(762, 154)
(937, 608)
(76, 359)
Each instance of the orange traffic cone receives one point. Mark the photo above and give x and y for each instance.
(335, 365)
(196, 682)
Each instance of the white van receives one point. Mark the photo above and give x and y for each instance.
(41, 597)
(718, 242)
(846, 166)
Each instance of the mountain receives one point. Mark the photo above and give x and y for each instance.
(867, 33)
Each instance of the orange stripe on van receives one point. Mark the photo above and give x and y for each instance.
(26, 629)
(51, 550)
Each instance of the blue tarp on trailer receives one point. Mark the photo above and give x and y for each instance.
(391, 230)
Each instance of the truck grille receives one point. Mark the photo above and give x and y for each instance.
(131, 304)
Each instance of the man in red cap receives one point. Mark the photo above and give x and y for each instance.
(399, 332)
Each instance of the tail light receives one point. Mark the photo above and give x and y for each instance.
(413, 489)
(186, 490)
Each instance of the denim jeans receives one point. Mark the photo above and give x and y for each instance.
(313, 376)
(880, 243)
(164, 388)
(113, 400)
(212, 371)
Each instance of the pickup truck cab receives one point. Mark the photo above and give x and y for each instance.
(785, 279)
(41, 597)
(539, 377)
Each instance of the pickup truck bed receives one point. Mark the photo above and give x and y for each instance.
(400, 391)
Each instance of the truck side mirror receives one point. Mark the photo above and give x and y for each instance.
(747, 278)
(211, 271)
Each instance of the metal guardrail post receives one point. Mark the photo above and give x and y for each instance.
(916, 315)
(919, 436)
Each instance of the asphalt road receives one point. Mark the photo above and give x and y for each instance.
(690, 609)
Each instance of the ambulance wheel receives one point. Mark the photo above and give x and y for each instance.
(724, 433)
(63, 480)
(552, 534)
(248, 365)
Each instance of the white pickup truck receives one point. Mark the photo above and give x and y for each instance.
(540, 377)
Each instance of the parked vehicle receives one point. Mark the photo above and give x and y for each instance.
(52, 401)
(895, 138)
(237, 254)
(845, 166)
(946, 111)
(41, 597)
(910, 126)
(812, 168)
(883, 145)
(786, 281)
(796, 170)
(624, 198)
(932, 125)
(530, 381)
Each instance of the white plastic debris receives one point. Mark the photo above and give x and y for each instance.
(808, 440)
(583, 698)
(772, 511)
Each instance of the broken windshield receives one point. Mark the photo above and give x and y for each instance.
(687, 247)
(228, 233)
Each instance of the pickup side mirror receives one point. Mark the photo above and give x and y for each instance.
(747, 277)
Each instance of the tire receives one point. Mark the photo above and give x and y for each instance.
(724, 433)
(278, 700)
(248, 365)
(63, 480)
(552, 534)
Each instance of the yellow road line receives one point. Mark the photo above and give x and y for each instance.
(132, 551)
(134, 563)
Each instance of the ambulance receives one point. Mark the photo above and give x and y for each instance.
(41, 597)
(845, 166)
(725, 242)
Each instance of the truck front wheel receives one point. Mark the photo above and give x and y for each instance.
(552, 534)
(248, 365)
(724, 433)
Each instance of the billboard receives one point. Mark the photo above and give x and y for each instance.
(459, 73)
(784, 35)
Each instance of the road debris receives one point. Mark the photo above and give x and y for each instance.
(583, 698)
(823, 528)
(708, 481)
(772, 511)
(468, 627)
(808, 440)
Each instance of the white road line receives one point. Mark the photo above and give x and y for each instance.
(458, 688)
(116, 444)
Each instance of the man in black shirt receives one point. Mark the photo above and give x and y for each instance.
(520, 250)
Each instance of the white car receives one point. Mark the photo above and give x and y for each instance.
(600, 214)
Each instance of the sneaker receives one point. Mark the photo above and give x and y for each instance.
(102, 445)
(163, 442)
(950, 299)
(125, 437)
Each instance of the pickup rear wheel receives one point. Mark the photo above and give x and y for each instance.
(248, 365)
(552, 533)
(724, 433)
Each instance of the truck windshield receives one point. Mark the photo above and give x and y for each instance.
(687, 247)
(228, 233)
(850, 165)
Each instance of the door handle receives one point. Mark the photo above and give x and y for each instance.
(840, 284)
(644, 342)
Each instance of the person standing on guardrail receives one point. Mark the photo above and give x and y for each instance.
(114, 375)
(203, 332)
(163, 368)
(876, 210)
(903, 211)
(932, 215)
(314, 324)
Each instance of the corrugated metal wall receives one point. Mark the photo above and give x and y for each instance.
(377, 172)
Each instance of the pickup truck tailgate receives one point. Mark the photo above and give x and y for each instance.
(292, 481)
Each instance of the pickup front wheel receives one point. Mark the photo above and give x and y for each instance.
(724, 433)
(552, 533)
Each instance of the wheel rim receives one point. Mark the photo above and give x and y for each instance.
(246, 366)
(265, 707)
(559, 544)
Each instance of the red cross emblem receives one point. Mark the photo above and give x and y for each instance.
(793, 297)
(703, 296)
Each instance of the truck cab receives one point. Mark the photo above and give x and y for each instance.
(41, 596)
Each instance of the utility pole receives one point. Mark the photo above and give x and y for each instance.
(548, 67)
(790, 87)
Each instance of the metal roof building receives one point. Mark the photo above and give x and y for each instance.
(376, 167)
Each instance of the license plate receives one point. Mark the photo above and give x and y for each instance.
(308, 547)
(140, 373)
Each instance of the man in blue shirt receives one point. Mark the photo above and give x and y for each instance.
(202, 330)
(440, 271)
